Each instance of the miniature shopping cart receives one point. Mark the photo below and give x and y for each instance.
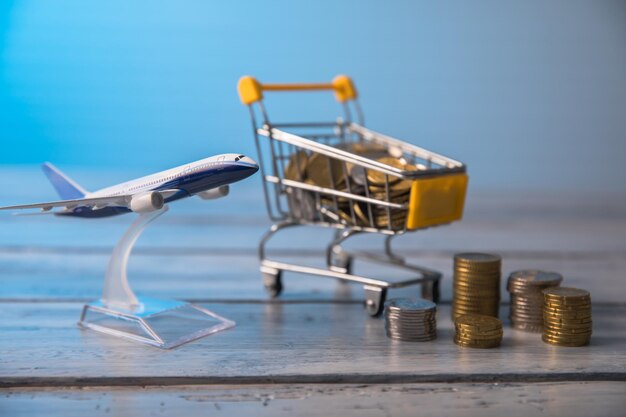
(344, 176)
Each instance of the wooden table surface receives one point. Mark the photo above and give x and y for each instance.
(313, 351)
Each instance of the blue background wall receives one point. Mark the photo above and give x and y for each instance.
(530, 94)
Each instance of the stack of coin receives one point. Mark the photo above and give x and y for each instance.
(526, 289)
(478, 331)
(327, 172)
(476, 286)
(411, 320)
(390, 189)
(566, 316)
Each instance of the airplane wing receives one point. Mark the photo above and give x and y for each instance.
(98, 202)
(93, 202)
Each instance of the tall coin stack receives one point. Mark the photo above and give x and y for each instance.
(526, 289)
(476, 287)
(411, 320)
(566, 316)
(478, 331)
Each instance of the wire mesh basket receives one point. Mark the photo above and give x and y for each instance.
(344, 176)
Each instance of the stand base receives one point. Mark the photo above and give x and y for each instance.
(162, 323)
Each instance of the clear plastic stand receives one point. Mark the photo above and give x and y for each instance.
(157, 322)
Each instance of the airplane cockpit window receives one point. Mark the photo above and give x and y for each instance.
(239, 157)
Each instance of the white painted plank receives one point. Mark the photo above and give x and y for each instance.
(571, 399)
(231, 275)
(292, 343)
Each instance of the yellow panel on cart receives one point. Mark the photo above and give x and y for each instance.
(436, 200)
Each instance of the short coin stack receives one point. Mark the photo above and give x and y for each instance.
(411, 320)
(478, 331)
(476, 287)
(527, 298)
(566, 316)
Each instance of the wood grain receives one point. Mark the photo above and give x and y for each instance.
(292, 343)
(233, 276)
(433, 399)
(303, 353)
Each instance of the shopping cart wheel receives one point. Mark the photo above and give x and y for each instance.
(430, 290)
(375, 300)
(272, 281)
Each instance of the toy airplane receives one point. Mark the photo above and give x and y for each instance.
(207, 178)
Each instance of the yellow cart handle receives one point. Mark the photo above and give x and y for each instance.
(251, 90)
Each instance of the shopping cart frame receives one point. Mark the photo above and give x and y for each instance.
(276, 188)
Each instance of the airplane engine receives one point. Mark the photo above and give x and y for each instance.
(218, 192)
(147, 202)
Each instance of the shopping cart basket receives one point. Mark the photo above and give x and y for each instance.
(342, 175)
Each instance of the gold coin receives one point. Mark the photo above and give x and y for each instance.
(296, 168)
(475, 299)
(480, 306)
(573, 320)
(569, 304)
(571, 328)
(478, 268)
(476, 302)
(550, 311)
(559, 311)
(564, 294)
(460, 305)
(478, 338)
(582, 342)
(361, 148)
(477, 345)
(479, 321)
(494, 263)
(566, 317)
(462, 311)
(476, 257)
(325, 171)
(471, 286)
(478, 284)
(477, 276)
(571, 343)
(378, 177)
(472, 333)
(360, 209)
(346, 217)
(405, 185)
(565, 339)
(558, 335)
(475, 294)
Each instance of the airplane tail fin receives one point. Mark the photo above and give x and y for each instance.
(66, 188)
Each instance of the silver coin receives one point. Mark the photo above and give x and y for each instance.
(407, 304)
(412, 337)
(411, 324)
(412, 330)
(536, 277)
(409, 319)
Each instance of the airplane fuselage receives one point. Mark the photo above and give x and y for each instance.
(186, 180)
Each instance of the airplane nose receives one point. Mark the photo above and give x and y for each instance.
(250, 161)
